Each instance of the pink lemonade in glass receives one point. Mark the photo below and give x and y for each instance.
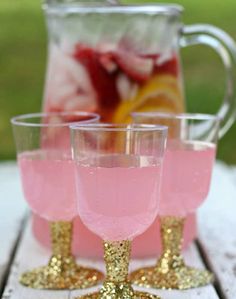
(118, 203)
(187, 170)
(48, 180)
(118, 191)
(48, 184)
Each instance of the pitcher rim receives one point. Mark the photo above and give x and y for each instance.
(171, 9)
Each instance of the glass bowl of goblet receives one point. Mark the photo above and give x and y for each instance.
(118, 173)
(47, 175)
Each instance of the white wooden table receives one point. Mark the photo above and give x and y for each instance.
(215, 248)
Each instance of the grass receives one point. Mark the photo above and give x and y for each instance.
(23, 44)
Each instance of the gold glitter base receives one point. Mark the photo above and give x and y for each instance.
(182, 278)
(118, 291)
(136, 295)
(171, 271)
(61, 273)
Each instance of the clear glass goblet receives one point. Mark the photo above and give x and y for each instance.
(187, 169)
(118, 172)
(47, 175)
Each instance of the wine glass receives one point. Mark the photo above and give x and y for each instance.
(47, 175)
(118, 171)
(187, 170)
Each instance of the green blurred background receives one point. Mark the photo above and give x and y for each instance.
(23, 45)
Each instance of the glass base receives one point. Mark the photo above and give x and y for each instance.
(61, 273)
(135, 295)
(181, 278)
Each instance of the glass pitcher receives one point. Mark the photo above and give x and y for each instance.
(113, 59)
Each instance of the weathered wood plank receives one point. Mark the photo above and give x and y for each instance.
(217, 224)
(12, 211)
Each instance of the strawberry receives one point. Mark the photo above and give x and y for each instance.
(103, 81)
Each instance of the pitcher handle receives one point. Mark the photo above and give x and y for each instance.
(225, 46)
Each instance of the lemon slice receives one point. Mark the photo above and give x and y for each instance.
(161, 93)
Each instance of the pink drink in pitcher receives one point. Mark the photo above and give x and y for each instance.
(115, 203)
(87, 244)
(48, 184)
(187, 173)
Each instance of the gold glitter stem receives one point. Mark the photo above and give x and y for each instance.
(172, 234)
(61, 238)
(116, 284)
(117, 256)
(172, 239)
